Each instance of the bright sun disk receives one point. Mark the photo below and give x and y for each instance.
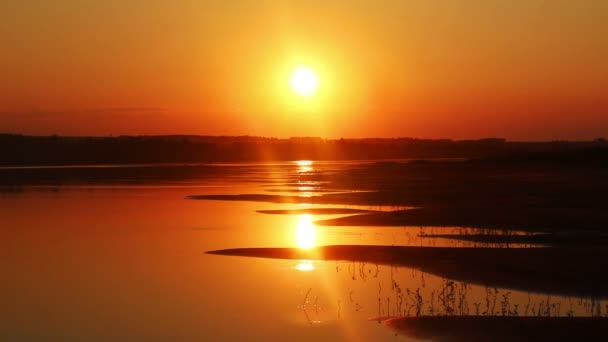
(304, 81)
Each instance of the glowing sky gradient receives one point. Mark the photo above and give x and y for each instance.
(531, 70)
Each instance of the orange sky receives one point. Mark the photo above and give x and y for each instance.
(517, 69)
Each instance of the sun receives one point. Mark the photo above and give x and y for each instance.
(304, 81)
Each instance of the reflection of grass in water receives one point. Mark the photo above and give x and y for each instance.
(436, 298)
(453, 298)
(316, 306)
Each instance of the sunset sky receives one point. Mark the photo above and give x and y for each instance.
(519, 69)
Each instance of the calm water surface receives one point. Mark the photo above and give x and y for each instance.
(119, 261)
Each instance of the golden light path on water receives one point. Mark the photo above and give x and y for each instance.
(306, 235)
(304, 166)
(306, 238)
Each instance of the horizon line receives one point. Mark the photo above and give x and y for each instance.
(597, 139)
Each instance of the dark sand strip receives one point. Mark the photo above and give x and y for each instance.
(565, 271)
(535, 219)
(316, 211)
(344, 198)
(296, 190)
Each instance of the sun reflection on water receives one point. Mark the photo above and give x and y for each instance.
(305, 266)
(304, 162)
(304, 166)
(306, 235)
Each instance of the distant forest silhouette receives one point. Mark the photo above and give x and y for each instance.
(21, 150)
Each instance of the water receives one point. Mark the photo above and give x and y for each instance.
(125, 260)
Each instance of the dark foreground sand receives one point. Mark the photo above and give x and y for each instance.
(493, 328)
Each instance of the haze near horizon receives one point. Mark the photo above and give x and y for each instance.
(522, 70)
